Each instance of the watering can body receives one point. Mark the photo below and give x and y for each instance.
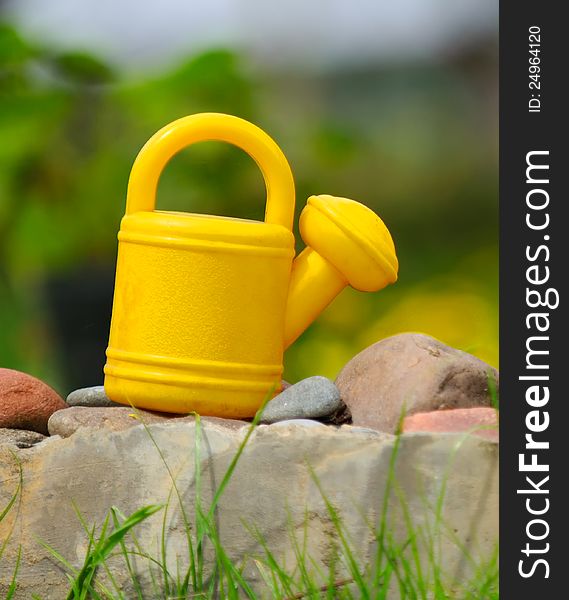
(204, 306)
(197, 304)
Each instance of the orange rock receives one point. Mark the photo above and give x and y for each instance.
(480, 421)
(26, 402)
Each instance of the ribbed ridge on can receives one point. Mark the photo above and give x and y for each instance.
(206, 233)
(189, 372)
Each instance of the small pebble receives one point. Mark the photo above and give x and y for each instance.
(91, 397)
(312, 398)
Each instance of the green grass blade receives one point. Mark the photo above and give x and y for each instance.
(134, 519)
(272, 564)
(86, 573)
(163, 547)
(81, 586)
(58, 557)
(235, 460)
(227, 568)
(142, 554)
(338, 526)
(199, 568)
(12, 501)
(306, 579)
(92, 543)
(13, 585)
(187, 525)
(124, 552)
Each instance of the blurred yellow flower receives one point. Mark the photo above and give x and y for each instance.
(463, 319)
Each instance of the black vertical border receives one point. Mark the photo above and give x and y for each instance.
(520, 133)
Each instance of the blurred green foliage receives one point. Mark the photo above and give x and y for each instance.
(417, 143)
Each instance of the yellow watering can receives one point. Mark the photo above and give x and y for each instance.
(205, 306)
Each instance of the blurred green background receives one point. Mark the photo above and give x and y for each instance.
(414, 140)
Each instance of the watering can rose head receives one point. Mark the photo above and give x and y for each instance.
(205, 306)
(346, 243)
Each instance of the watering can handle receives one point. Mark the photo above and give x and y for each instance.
(172, 138)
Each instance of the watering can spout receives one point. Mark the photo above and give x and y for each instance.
(346, 244)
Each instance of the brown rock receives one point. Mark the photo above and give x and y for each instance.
(26, 402)
(479, 421)
(66, 422)
(411, 373)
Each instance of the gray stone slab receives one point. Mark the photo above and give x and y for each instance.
(277, 487)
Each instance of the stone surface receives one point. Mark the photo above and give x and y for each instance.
(271, 488)
(66, 422)
(91, 397)
(21, 438)
(298, 423)
(312, 398)
(364, 430)
(480, 421)
(233, 424)
(26, 402)
(411, 373)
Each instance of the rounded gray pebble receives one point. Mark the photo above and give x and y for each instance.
(312, 398)
(92, 397)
